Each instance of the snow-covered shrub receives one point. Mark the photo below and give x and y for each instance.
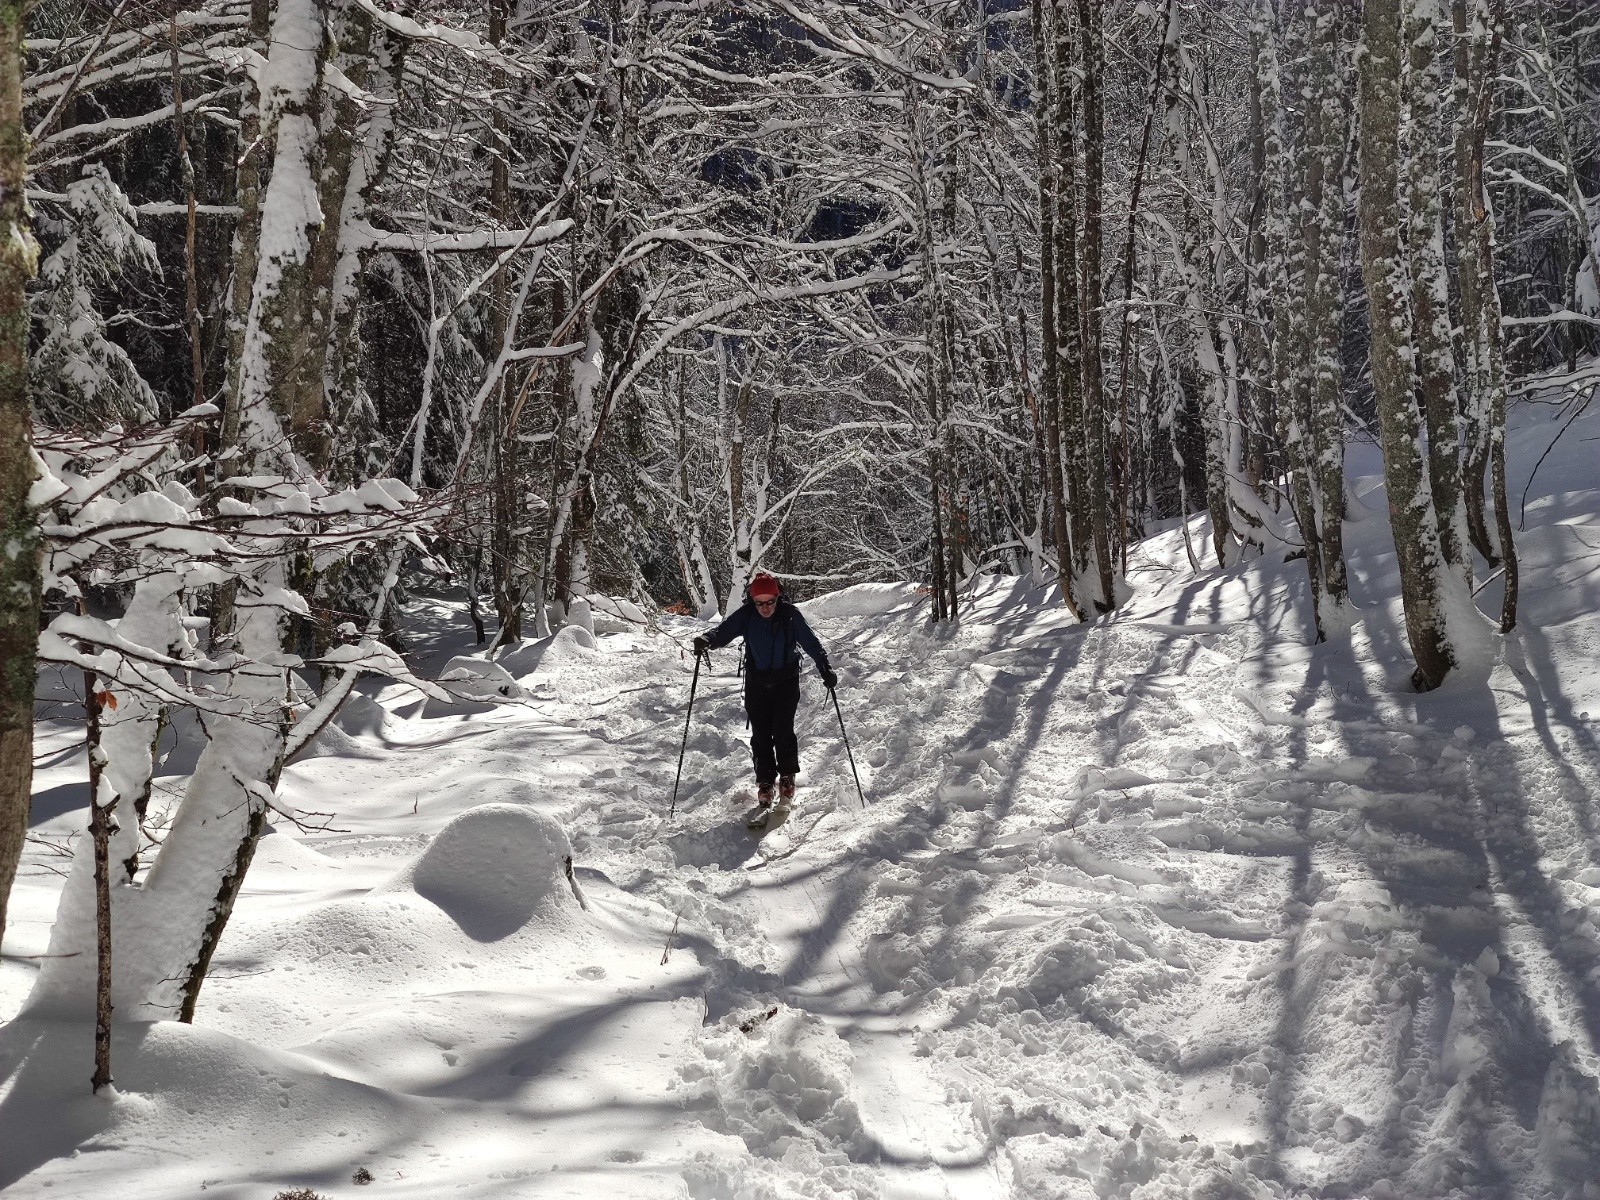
(77, 374)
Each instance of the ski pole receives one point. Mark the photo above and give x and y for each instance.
(693, 684)
(847, 749)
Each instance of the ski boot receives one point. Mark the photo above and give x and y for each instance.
(786, 788)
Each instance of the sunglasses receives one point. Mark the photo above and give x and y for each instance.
(766, 603)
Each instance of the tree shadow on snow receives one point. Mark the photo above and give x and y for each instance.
(48, 1111)
(1439, 843)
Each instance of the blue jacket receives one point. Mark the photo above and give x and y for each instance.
(770, 644)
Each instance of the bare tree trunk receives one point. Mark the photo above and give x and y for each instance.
(1280, 293)
(100, 836)
(247, 231)
(505, 490)
(252, 152)
(1484, 333)
(1050, 392)
(1385, 267)
(339, 123)
(1123, 468)
(955, 533)
(350, 409)
(742, 565)
(1095, 475)
(245, 752)
(696, 571)
(1069, 318)
(191, 282)
(19, 529)
(1325, 305)
(1430, 295)
(1469, 83)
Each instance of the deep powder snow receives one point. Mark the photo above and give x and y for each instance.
(1173, 905)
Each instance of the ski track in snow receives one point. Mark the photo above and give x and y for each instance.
(1173, 905)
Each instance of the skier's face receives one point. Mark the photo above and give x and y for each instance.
(766, 607)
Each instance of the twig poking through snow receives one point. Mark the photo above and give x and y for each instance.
(666, 951)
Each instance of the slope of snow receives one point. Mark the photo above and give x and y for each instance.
(1173, 905)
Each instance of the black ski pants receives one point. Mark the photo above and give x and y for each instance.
(771, 699)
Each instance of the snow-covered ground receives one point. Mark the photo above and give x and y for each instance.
(1174, 905)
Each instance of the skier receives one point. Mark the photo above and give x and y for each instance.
(774, 633)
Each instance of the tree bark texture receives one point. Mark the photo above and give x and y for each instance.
(1095, 409)
(339, 124)
(252, 152)
(19, 530)
(1068, 319)
(1430, 289)
(1283, 286)
(100, 837)
(350, 408)
(1050, 383)
(1384, 267)
(1484, 333)
(1325, 300)
(276, 352)
(505, 458)
(214, 835)
(1469, 82)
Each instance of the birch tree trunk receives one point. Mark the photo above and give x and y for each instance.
(1384, 266)
(1430, 290)
(349, 406)
(338, 140)
(203, 862)
(698, 581)
(1281, 288)
(1476, 53)
(1069, 399)
(1323, 234)
(247, 230)
(1129, 463)
(19, 529)
(1468, 84)
(741, 564)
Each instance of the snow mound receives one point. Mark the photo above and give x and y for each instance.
(493, 869)
(571, 646)
(361, 714)
(570, 642)
(615, 614)
(469, 678)
(863, 600)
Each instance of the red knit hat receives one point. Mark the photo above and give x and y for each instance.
(764, 587)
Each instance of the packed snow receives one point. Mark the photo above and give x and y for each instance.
(1170, 905)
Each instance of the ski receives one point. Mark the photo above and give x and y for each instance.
(767, 819)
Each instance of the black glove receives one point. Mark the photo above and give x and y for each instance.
(701, 646)
(830, 678)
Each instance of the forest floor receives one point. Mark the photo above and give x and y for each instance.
(1171, 905)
